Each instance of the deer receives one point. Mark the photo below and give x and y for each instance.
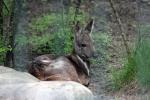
(73, 67)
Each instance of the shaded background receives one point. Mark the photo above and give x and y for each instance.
(45, 26)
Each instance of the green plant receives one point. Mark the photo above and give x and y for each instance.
(125, 75)
(137, 67)
(53, 33)
(143, 62)
(41, 44)
(7, 7)
(3, 50)
(144, 29)
(102, 41)
(4, 47)
(43, 22)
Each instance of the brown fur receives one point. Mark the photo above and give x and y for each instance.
(74, 67)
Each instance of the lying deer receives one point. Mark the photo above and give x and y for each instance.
(74, 67)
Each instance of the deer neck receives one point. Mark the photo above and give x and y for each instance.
(80, 63)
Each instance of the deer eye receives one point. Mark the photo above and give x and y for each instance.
(83, 45)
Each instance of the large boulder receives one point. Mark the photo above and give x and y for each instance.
(16, 85)
(54, 90)
(6, 69)
(11, 76)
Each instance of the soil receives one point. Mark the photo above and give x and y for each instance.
(100, 81)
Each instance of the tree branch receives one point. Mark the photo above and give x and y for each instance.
(78, 4)
(120, 26)
(5, 6)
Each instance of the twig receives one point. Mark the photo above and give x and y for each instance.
(5, 6)
(78, 3)
(120, 27)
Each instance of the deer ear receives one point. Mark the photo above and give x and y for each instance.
(90, 26)
(77, 26)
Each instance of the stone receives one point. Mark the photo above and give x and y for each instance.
(16, 85)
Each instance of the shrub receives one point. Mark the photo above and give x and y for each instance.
(125, 75)
(5, 10)
(3, 47)
(52, 33)
(102, 41)
(143, 63)
(3, 50)
(137, 67)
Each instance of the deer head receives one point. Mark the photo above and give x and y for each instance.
(83, 43)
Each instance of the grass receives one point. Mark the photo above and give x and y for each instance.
(136, 67)
(124, 76)
(42, 23)
(101, 42)
(143, 63)
(52, 29)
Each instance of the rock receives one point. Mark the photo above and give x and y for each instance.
(11, 76)
(16, 85)
(17, 77)
(52, 90)
(6, 69)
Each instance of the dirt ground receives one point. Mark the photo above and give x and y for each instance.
(100, 81)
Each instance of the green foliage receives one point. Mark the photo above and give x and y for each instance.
(41, 43)
(125, 75)
(144, 29)
(143, 62)
(42, 23)
(8, 4)
(102, 41)
(53, 33)
(3, 50)
(137, 67)
(2, 53)
(3, 47)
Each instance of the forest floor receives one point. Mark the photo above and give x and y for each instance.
(101, 86)
(100, 82)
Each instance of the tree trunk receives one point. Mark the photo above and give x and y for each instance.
(1, 17)
(9, 37)
(20, 50)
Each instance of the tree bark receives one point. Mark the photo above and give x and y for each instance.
(9, 38)
(1, 17)
(20, 49)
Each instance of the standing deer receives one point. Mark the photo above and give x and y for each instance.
(74, 67)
